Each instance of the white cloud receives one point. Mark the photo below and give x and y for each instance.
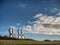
(54, 10)
(18, 24)
(30, 22)
(38, 15)
(12, 27)
(45, 8)
(45, 25)
(4, 33)
(22, 5)
(58, 14)
(44, 2)
(28, 27)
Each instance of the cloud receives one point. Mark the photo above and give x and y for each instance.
(4, 33)
(18, 24)
(44, 2)
(38, 15)
(44, 25)
(12, 27)
(22, 5)
(58, 14)
(28, 27)
(45, 8)
(53, 10)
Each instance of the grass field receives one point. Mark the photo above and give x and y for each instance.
(27, 42)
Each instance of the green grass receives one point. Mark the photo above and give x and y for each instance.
(15, 42)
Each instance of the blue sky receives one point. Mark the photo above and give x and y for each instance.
(22, 11)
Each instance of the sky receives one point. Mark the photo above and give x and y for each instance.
(39, 19)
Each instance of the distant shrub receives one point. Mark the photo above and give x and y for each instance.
(47, 40)
(0, 36)
(5, 36)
